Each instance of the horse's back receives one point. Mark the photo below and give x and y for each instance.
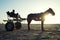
(34, 15)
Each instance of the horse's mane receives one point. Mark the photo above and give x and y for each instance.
(36, 13)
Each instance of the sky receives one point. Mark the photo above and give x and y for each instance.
(25, 7)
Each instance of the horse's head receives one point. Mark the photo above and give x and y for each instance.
(51, 11)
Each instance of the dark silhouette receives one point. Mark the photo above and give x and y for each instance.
(13, 14)
(9, 26)
(38, 16)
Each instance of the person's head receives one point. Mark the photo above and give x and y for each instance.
(13, 10)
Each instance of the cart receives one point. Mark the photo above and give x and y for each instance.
(15, 22)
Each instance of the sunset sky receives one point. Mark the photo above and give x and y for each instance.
(25, 7)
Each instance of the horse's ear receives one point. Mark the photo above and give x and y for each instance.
(50, 8)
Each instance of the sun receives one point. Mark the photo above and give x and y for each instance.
(48, 16)
(48, 19)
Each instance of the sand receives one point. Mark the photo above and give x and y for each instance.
(52, 32)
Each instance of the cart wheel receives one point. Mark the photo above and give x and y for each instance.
(9, 26)
(18, 25)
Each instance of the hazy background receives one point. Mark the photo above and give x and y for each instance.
(25, 7)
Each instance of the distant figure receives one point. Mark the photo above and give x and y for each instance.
(13, 14)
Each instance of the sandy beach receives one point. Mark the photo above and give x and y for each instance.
(52, 32)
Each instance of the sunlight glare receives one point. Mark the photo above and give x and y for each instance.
(48, 18)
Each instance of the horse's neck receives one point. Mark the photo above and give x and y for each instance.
(46, 13)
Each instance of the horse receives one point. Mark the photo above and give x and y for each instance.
(39, 16)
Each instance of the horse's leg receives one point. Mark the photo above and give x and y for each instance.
(29, 24)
